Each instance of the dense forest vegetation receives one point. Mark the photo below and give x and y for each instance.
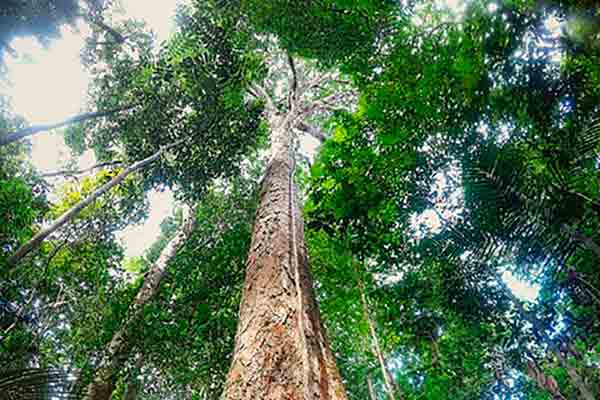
(458, 143)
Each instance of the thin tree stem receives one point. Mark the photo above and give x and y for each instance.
(11, 137)
(80, 171)
(39, 238)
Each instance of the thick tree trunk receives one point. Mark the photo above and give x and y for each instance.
(39, 238)
(388, 381)
(9, 138)
(281, 351)
(120, 345)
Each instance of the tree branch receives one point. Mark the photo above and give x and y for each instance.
(120, 39)
(80, 171)
(22, 133)
(262, 92)
(312, 131)
(38, 239)
(293, 95)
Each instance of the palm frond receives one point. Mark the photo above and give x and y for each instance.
(39, 384)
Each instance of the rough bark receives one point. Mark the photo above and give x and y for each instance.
(121, 344)
(39, 238)
(281, 351)
(11, 137)
(388, 381)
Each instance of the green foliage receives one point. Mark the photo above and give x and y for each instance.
(483, 119)
(192, 90)
(194, 317)
(18, 212)
(333, 31)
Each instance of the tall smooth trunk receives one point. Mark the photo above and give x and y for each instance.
(388, 381)
(121, 344)
(372, 395)
(11, 137)
(39, 238)
(281, 351)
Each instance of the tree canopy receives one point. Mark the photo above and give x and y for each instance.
(457, 161)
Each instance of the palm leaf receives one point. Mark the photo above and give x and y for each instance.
(39, 384)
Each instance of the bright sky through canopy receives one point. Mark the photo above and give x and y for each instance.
(50, 84)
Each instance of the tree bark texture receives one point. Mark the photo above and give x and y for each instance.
(281, 351)
(121, 344)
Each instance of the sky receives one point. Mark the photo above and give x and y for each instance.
(50, 84)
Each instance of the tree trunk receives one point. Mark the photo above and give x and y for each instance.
(120, 345)
(372, 395)
(39, 238)
(388, 382)
(9, 138)
(281, 351)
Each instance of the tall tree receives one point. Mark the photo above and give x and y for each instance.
(281, 348)
(120, 345)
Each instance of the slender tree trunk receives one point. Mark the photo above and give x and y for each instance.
(39, 238)
(435, 351)
(11, 137)
(372, 395)
(281, 351)
(120, 345)
(388, 381)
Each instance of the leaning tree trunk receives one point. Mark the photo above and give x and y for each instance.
(281, 351)
(39, 238)
(372, 395)
(388, 381)
(121, 343)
